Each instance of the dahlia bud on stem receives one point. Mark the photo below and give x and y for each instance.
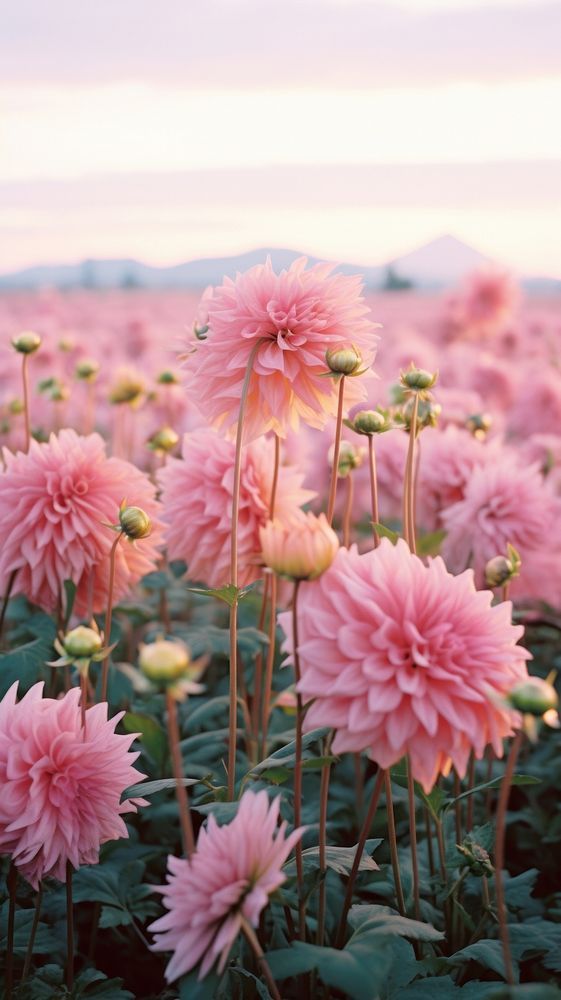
(415, 382)
(26, 344)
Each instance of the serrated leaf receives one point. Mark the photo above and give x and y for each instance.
(363, 918)
(487, 953)
(359, 970)
(339, 859)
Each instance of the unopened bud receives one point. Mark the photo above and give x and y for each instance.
(163, 440)
(502, 569)
(164, 660)
(344, 360)
(167, 378)
(418, 380)
(87, 370)
(15, 407)
(27, 343)
(479, 424)
(134, 522)
(126, 390)
(82, 642)
(349, 458)
(66, 344)
(476, 858)
(370, 422)
(533, 697)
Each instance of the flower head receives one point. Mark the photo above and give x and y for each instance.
(402, 658)
(301, 549)
(61, 782)
(283, 324)
(54, 503)
(197, 499)
(230, 877)
(27, 343)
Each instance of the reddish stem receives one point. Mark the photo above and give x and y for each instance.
(109, 616)
(336, 451)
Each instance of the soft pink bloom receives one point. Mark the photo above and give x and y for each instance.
(61, 784)
(302, 548)
(447, 460)
(503, 502)
(537, 409)
(402, 658)
(298, 315)
(545, 450)
(230, 876)
(55, 502)
(485, 302)
(197, 499)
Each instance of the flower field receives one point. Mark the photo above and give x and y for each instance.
(280, 634)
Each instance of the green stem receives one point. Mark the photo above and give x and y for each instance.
(336, 451)
(377, 790)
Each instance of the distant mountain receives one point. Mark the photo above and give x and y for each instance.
(440, 263)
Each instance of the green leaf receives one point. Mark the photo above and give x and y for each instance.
(526, 991)
(487, 953)
(434, 801)
(517, 779)
(24, 664)
(384, 532)
(286, 756)
(339, 859)
(147, 788)
(429, 545)
(193, 988)
(229, 594)
(154, 739)
(363, 918)
(70, 595)
(359, 970)
(158, 581)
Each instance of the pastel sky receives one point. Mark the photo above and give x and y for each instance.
(350, 129)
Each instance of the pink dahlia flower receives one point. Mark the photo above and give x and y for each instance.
(228, 879)
(290, 319)
(55, 503)
(197, 499)
(447, 460)
(61, 784)
(503, 502)
(402, 658)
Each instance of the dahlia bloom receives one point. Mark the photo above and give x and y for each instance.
(197, 500)
(537, 409)
(403, 658)
(61, 783)
(230, 877)
(447, 460)
(297, 315)
(301, 549)
(54, 505)
(503, 502)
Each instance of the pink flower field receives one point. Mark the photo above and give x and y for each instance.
(280, 633)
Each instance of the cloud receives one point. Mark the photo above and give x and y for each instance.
(294, 43)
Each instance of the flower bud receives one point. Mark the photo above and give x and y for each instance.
(59, 392)
(476, 858)
(164, 660)
(15, 407)
(349, 458)
(82, 643)
(87, 370)
(163, 441)
(300, 549)
(533, 697)
(418, 380)
(343, 360)
(134, 522)
(369, 422)
(27, 343)
(479, 424)
(127, 389)
(427, 414)
(167, 378)
(502, 569)
(66, 344)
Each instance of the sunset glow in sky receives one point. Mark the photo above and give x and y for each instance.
(344, 128)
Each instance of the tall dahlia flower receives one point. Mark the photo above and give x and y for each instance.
(503, 502)
(402, 658)
(61, 784)
(290, 319)
(228, 879)
(54, 505)
(197, 500)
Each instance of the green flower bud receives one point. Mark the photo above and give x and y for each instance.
(27, 343)
(126, 390)
(343, 360)
(479, 424)
(167, 378)
(164, 661)
(533, 697)
(370, 422)
(502, 569)
(134, 522)
(82, 643)
(476, 858)
(87, 370)
(418, 380)
(163, 440)
(15, 407)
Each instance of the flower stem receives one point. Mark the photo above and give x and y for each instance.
(409, 486)
(69, 929)
(500, 831)
(470, 786)
(393, 845)
(298, 768)
(252, 940)
(323, 802)
(26, 413)
(377, 791)
(373, 488)
(187, 834)
(5, 601)
(257, 693)
(12, 887)
(458, 808)
(233, 692)
(413, 840)
(109, 616)
(336, 450)
(34, 926)
(269, 665)
(348, 513)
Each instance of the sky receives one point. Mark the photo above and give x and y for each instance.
(349, 129)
